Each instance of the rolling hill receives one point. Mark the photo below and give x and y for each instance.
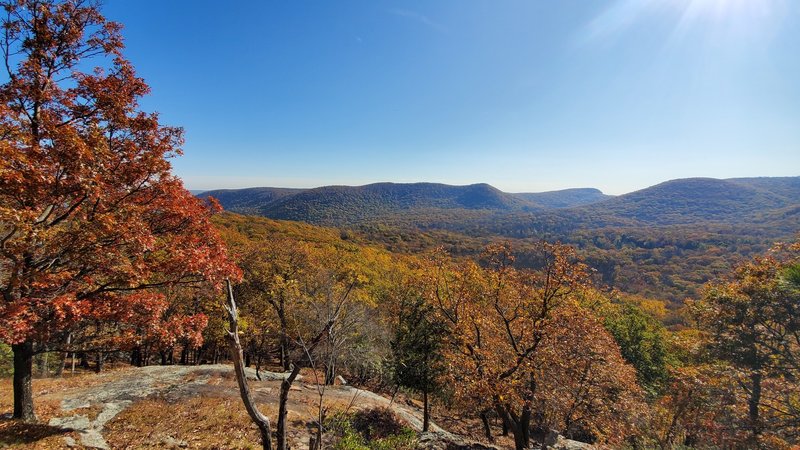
(250, 200)
(338, 205)
(663, 241)
(736, 201)
(565, 198)
(695, 200)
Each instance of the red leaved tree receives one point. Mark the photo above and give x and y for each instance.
(92, 221)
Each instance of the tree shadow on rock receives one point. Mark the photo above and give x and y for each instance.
(15, 432)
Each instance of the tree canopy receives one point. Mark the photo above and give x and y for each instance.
(92, 220)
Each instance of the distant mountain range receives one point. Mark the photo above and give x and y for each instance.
(565, 198)
(664, 241)
(691, 200)
(683, 201)
(345, 204)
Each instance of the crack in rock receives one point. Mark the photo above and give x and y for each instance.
(89, 431)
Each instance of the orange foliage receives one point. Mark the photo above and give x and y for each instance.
(520, 343)
(91, 217)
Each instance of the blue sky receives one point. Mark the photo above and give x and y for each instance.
(527, 95)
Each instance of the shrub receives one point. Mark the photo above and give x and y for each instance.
(371, 429)
(376, 423)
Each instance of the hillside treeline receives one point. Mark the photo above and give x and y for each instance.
(540, 348)
(518, 350)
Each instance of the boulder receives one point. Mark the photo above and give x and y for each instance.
(554, 440)
(447, 441)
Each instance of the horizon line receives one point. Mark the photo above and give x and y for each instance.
(200, 191)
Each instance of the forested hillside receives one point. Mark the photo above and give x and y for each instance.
(664, 241)
(764, 201)
(565, 198)
(701, 200)
(390, 308)
(338, 205)
(488, 304)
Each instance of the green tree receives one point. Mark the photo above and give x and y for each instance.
(416, 351)
(643, 343)
(753, 324)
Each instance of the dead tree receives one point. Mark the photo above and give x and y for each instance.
(261, 421)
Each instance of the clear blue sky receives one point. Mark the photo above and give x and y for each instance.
(526, 95)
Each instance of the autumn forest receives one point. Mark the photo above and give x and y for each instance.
(137, 314)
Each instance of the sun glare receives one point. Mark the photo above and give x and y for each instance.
(728, 9)
(723, 18)
(729, 20)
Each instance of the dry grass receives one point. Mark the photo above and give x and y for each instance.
(214, 420)
(15, 434)
(47, 394)
(209, 423)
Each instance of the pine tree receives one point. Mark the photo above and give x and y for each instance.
(416, 351)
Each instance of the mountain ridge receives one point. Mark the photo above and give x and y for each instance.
(271, 200)
(673, 202)
(565, 198)
(687, 231)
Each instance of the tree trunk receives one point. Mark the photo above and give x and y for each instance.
(284, 358)
(520, 441)
(330, 374)
(426, 414)
(84, 361)
(136, 357)
(99, 366)
(41, 365)
(753, 405)
(394, 394)
(261, 421)
(525, 426)
(284, 344)
(504, 419)
(487, 429)
(23, 391)
(520, 426)
(62, 360)
(62, 357)
(286, 385)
